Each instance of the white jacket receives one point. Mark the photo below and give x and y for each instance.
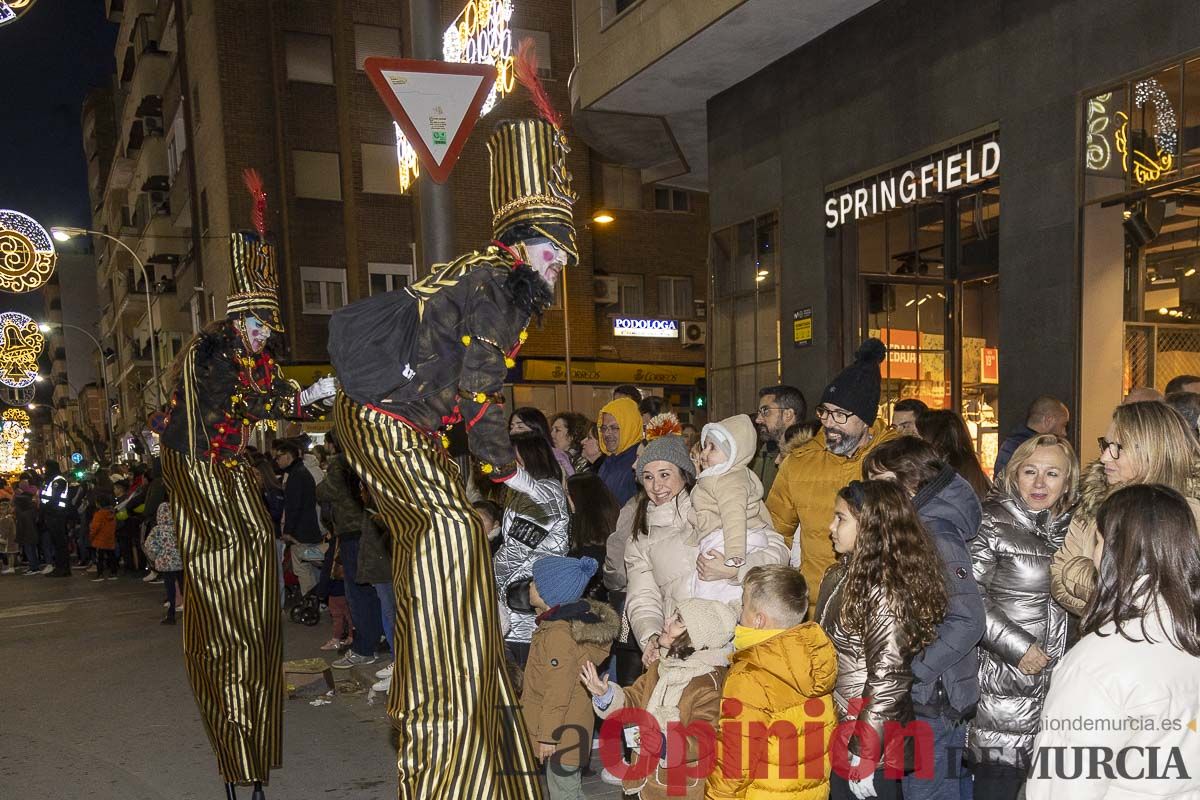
(1145, 693)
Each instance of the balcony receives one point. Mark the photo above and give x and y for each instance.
(150, 167)
(180, 198)
(145, 96)
(643, 76)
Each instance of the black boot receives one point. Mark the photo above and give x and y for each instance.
(231, 791)
(258, 792)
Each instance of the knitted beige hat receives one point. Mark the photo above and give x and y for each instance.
(710, 623)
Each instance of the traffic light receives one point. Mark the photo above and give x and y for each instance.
(700, 397)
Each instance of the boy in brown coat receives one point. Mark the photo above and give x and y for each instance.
(570, 633)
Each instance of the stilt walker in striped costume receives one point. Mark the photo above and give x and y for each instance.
(231, 631)
(412, 363)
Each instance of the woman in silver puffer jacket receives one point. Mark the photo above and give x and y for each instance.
(1025, 520)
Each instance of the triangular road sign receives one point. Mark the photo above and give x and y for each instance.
(435, 103)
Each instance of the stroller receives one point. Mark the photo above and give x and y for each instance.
(305, 609)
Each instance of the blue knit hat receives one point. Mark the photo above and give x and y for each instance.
(562, 580)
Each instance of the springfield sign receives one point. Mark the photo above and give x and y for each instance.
(944, 173)
(646, 328)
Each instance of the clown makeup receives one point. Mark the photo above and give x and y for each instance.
(546, 259)
(256, 333)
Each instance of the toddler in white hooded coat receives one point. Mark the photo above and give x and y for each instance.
(728, 512)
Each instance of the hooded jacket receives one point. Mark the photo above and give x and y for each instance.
(871, 665)
(1072, 573)
(617, 468)
(729, 496)
(950, 512)
(803, 494)
(774, 681)
(162, 545)
(102, 532)
(552, 696)
(347, 507)
(534, 525)
(1012, 564)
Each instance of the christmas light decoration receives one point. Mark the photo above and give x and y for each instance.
(14, 396)
(11, 10)
(20, 346)
(27, 254)
(1166, 126)
(479, 35)
(16, 415)
(1145, 168)
(1098, 152)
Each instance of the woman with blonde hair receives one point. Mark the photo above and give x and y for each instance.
(1025, 520)
(1145, 443)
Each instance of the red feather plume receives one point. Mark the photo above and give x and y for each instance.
(526, 69)
(254, 183)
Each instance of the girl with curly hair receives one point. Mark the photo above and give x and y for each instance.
(880, 604)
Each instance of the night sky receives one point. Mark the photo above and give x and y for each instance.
(49, 58)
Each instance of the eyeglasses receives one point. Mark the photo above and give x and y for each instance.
(1112, 448)
(765, 410)
(610, 428)
(840, 417)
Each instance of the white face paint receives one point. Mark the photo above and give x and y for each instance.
(546, 259)
(257, 334)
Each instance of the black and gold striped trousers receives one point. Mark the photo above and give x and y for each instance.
(461, 736)
(231, 631)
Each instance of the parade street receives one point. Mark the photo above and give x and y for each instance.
(96, 705)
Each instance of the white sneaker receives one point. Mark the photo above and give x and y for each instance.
(386, 672)
(46, 570)
(7, 571)
(98, 580)
(609, 778)
(383, 685)
(151, 576)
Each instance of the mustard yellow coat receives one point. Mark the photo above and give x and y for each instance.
(774, 681)
(803, 493)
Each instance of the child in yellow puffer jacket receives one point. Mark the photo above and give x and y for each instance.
(783, 670)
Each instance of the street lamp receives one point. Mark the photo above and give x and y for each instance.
(63, 233)
(46, 328)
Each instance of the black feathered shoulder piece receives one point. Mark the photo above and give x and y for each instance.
(528, 291)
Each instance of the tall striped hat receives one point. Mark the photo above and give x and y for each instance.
(253, 278)
(530, 181)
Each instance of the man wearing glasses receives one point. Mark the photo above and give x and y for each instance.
(809, 479)
(779, 408)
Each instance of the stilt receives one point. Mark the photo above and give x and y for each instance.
(258, 792)
(231, 791)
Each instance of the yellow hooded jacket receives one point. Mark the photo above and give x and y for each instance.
(625, 411)
(774, 681)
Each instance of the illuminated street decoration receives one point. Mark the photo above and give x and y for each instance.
(27, 253)
(16, 415)
(11, 10)
(1099, 151)
(14, 396)
(479, 35)
(20, 345)
(1166, 126)
(14, 440)
(1145, 168)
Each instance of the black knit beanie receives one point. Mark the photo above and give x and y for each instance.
(856, 389)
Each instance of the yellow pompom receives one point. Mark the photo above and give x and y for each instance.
(479, 397)
(508, 362)
(487, 469)
(445, 441)
(466, 340)
(524, 335)
(245, 421)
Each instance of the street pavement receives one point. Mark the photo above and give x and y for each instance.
(94, 703)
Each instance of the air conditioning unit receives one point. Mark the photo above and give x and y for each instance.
(605, 291)
(160, 202)
(693, 333)
(153, 126)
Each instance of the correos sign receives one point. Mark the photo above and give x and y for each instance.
(646, 328)
(945, 173)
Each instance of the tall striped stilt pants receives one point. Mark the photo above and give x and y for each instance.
(231, 632)
(461, 735)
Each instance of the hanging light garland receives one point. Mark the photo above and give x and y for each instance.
(11, 10)
(14, 440)
(21, 344)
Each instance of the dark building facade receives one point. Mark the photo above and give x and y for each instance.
(1076, 117)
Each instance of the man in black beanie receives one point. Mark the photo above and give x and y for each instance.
(809, 479)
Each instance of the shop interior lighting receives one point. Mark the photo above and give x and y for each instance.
(603, 218)
(1190, 272)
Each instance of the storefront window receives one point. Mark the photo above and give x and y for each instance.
(929, 281)
(744, 349)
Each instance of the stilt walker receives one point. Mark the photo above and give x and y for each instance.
(412, 363)
(231, 632)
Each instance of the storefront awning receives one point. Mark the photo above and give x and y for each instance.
(612, 372)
